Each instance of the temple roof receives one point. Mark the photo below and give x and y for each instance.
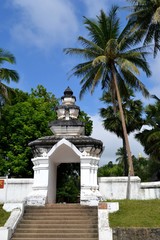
(68, 126)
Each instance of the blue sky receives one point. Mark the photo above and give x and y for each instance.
(37, 31)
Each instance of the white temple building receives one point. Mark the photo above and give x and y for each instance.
(68, 144)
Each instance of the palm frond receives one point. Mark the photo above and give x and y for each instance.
(6, 56)
(8, 75)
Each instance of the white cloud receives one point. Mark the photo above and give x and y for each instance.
(155, 78)
(93, 7)
(44, 23)
(111, 142)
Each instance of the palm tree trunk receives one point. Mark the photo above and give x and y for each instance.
(125, 158)
(130, 162)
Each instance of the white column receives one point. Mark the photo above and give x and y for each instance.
(41, 171)
(40, 186)
(89, 193)
(52, 182)
(85, 172)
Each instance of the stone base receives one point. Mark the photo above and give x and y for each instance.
(90, 196)
(37, 198)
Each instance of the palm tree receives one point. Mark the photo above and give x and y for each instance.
(6, 75)
(145, 21)
(150, 138)
(112, 121)
(110, 61)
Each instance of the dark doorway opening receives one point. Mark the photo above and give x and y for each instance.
(68, 183)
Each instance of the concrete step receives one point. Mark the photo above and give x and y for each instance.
(58, 222)
(55, 235)
(56, 226)
(56, 238)
(60, 210)
(59, 206)
(61, 230)
(62, 214)
(56, 217)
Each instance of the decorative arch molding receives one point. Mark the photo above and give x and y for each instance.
(66, 143)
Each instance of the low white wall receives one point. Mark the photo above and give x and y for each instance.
(116, 188)
(109, 187)
(15, 190)
(150, 190)
(17, 211)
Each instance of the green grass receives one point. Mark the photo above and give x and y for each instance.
(3, 216)
(136, 213)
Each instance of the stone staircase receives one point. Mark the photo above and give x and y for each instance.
(58, 222)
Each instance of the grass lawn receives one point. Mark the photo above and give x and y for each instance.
(3, 216)
(136, 213)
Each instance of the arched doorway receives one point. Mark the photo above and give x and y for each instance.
(62, 152)
(68, 183)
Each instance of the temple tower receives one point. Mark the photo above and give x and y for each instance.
(68, 144)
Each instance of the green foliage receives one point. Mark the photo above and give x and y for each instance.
(108, 52)
(68, 182)
(6, 75)
(147, 169)
(136, 213)
(142, 168)
(110, 169)
(24, 120)
(3, 216)
(111, 60)
(144, 22)
(83, 117)
(150, 138)
(132, 109)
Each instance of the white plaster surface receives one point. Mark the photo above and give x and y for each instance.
(109, 188)
(104, 231)
(5, 233)
(17, 210)
(116, 187)
(16, 190)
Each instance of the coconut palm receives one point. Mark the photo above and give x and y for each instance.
(150, 138)
(111, 61)
(112, 122)
(6, 75)
(145, 21)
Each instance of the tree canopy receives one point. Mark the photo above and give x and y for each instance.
(25, 119)
(112, 60)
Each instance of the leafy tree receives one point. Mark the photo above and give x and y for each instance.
(6, 75)
(150, 138)
(121, 159)
(83, 117)
(141, 167)
(154, 169)
(145, 21)
(133, 110)
(24, 120)
(110, 170)
(111, 61)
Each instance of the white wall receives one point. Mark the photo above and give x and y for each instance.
(116, 188)
(16, 190)
(109, 187)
